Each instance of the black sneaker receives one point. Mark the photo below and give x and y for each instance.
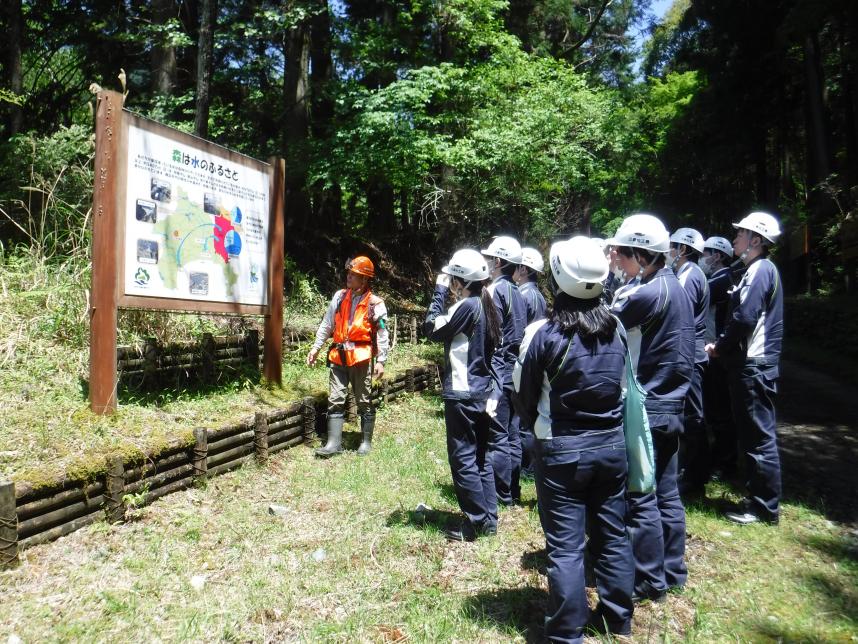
(745, 514)
(651, 596)
(467, 532)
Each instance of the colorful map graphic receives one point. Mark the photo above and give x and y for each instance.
(193, 235)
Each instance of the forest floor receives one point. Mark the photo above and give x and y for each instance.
(348, 557)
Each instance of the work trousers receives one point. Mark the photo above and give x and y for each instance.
(719, 418)
(694, 444)
(359, 377)
(657, 520)
(581, 486)
(467, 448)
(752, 392)
(505, 448)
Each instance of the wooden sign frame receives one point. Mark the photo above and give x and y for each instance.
(108, 244)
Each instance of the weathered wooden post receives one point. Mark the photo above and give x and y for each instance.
(201, 451)
(309, 411)
(114, 490)
(251, 348)
(8, 526)
(351, 408)
(150, 360)
(413, 329)
(260, 436)
(409, 380)
(207, 346)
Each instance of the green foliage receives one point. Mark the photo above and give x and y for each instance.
(46, 190)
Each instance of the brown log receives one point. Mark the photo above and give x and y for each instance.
(229, 455)
(61, 499)
(289, 421)
(8, 526)
(286, 434)
(114, 490)
(244, 438)
(168, 459)
(296, 407)
(65, 514)
(62, 529)
(151, 482)
(286, 444)
(181, 484)
(226, 467)
(228, 430)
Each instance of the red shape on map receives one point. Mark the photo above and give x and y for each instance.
(222, 226)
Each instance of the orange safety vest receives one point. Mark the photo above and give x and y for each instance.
(354, 341)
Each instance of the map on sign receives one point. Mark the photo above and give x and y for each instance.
(196, 225)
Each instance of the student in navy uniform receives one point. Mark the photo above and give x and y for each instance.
(751, 348)
(525, 278)
(614, 279)
(470, 330)
(568, 387)
(660, 324)
(686, 248)
(724, 456)
(624, 269)
(503, 256)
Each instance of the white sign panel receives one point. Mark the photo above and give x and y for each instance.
(196, 224)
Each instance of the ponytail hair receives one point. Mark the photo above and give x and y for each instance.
(590, 319)
(493, 323)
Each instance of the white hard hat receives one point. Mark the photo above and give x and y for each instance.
(532, 258)
(468, 265)
(506, 248)
(761, 223)
(642, 231)
(689, 237)
(579, 267)
(601, 242)
(719, 243)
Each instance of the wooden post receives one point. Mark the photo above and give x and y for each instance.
(105, 264)
(260, 436)
(351, 408)
(309, 412)
(114, 489)
(150, 360)
(413, 329)
(251, 348)
(409, 380)
(385, 387)
(272, 368)
(201, 451)
(207, 348)
(8, 526)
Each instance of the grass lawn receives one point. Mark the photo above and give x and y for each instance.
(49, 429)
(349, 559)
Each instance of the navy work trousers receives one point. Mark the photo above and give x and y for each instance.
(504, 447)
(752, 392)
(467, 447)
(657, 520)
(581, 485)
(694, 444)
(719, 418)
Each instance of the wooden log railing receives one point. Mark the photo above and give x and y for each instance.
(31, 515)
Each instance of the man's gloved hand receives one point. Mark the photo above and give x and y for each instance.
(492, 407)
(443, 280)
(311, 357)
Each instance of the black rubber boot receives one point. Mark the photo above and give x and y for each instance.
(335, 438)
(367, 425)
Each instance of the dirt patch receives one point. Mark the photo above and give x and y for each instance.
(818, 434)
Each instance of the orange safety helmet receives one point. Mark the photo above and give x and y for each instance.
(361, 265)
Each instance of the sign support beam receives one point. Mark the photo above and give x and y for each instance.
(102, 311)
(272, 362)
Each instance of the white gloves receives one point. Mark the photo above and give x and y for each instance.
(443, 280)
(492, 407)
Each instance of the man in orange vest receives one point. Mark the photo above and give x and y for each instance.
(357, 321)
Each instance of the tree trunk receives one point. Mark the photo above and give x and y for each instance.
(327, 202)
(205, 54)
(295, 131)
(163, 54)
(850, 132)
(14, 35)
(380, 202)
(818, 148)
